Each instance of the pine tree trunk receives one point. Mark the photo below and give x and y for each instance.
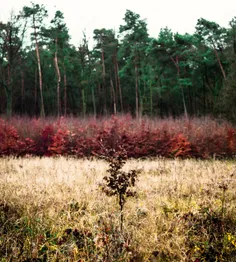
(65, 92)
(22, 92)
(151, 99)
(220, 64)
(118, 83)
(83, 102)
(136, 91)
(8, 90)
(42, 111)
(113, 96)
(181, 87)
(104, 84)
(9, 102)
(58, 81)
(100, 99)
(184, 103)
(35, 90)
(94, 104)
(161, 110)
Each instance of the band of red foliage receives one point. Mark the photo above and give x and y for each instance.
(198, 138)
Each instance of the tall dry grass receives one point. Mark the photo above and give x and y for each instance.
(52, 209)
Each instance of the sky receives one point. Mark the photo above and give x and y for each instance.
(86, 15)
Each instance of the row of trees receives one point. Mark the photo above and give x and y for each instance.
(173, 74)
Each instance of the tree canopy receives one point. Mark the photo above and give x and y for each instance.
(171, 74)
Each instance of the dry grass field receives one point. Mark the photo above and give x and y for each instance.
(53, 209)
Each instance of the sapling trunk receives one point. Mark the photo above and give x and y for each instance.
(118, 182)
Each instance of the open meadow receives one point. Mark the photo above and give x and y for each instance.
(54, 209)
(116, 145)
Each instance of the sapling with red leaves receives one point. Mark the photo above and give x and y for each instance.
(119, 183)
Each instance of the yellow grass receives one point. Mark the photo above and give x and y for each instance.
(57, 193)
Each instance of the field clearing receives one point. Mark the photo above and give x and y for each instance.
(53, 209)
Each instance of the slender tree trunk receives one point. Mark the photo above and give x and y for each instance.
(94, 104)
(119, 87)
(22, 87)
(8, 97)
(176, 63)
(204, 99)
(141, 100)
(161, 110)
(220, 64)
(118, 83)
(136, 91)
(151, 98)
(8, 89)
(65, 92)
(9, 102)
(234, 44)
(42, 111)
(58, 81)
(218, 60)
(141, 107)
(113, 96)
(209, 102)
(35, 90)
(184, 103)
(104, 83)
(190, 101)
(100, 99)
(83, 102)
(195, 101)
(22, 92)
(92, 89)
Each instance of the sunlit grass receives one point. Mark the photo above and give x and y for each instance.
(43, 198)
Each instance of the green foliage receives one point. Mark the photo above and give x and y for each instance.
(170, 74)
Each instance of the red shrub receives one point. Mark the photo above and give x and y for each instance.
(179, 146)
(44, 141)
(231, 141)
(62, 143)
(202, 138)
(9, 139)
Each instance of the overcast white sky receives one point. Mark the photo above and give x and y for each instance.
(179, 15)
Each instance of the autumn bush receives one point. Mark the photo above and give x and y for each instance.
(196, 137)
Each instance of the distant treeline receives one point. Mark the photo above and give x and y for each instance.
(168, 75)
